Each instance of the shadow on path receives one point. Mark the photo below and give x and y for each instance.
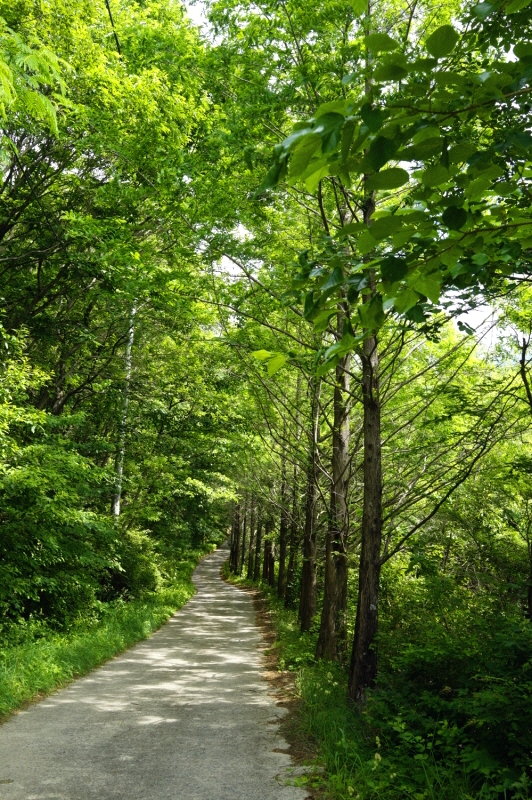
(183, 715)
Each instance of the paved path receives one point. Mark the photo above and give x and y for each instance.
(184, 715)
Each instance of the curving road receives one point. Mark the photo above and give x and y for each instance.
(184, 715)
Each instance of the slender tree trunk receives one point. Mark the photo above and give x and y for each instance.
(244, 531)
(307, 603)
(293, 546)
(251, 540)
(271, 565)
(363, 667)
(332, 636)
(282, 532)
(119, 461)
(258, 546)
(288, 594)
(529, 599)
(266, 558)
(236, 541)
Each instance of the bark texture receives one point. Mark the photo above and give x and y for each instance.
(307, 603)
(119, 461)
(283, 530)
(244, 534)
(258, 547)
(251, 541)
(332, 636)
(233, 560)
(363, 667)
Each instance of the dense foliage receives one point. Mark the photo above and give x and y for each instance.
(269, 276)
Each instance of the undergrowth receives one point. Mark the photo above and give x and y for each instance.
(43, 659)
(427, 732)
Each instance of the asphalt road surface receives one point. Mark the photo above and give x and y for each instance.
(184, 715)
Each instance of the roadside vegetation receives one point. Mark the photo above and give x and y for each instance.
(445, 721)
(270, 275)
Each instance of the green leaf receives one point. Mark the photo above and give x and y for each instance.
(312, 179)
(324, 368)
(385, 226)
(393, 269)
(419, 152)
(388, 179)
(302, 155)
(523, 49)
(429, 287)
(275, 175)
(371, 314)
(365, 243)
(381, 151)
(373, 117)
(390, 72)
(406, 300)
(454, 218)
(436, 175)
(517, 5)
(321, 323)
(483, 10)
(336, 278)
(347, 139)
(329, 127)
(352, 227)
(380, 43)
(275, 364)
(442, 41)
(261, 355)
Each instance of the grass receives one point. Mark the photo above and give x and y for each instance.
(38, 666)
(362, 760)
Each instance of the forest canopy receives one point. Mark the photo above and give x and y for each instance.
(268, 277)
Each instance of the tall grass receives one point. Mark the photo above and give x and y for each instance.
(361, 762)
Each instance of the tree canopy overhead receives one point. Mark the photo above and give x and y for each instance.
(237, 274)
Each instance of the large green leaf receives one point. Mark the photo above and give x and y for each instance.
(442, 41)
(384, 227)
(262, 355)
(329, 127)
(381, 151)
(302, 155)
(276, 363)
(390, 72)
(391, 178)
(371, 314)
(373, 117)
(454, 218)
(517, 5)
(435, 175)
(393, 268)
(380, 43)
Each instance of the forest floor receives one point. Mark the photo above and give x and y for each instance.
(185, 715)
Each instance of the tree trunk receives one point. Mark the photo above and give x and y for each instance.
(529, 599)
(307, 602)
(332, 636)
(251, 540)
(271, 566)
(258, 546)
(289, 589)
(293, 546)
(363, 667)
(281, 584)
(244, 531)
(266, 559)
(119, 461)
(236, 541)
